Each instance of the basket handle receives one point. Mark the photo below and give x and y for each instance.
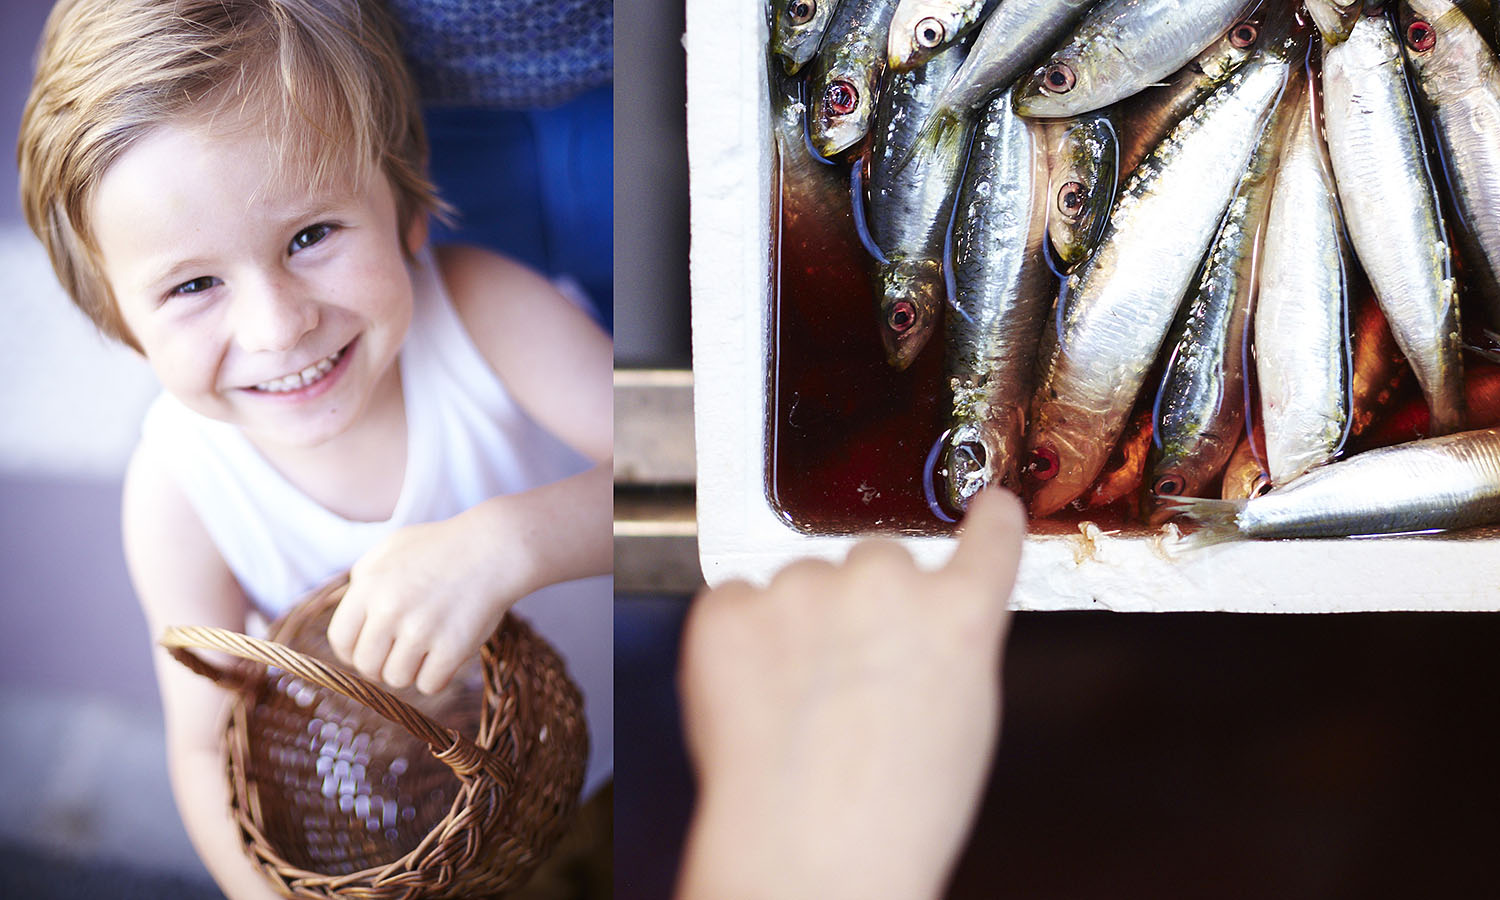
(449, 747)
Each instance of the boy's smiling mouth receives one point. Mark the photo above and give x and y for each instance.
(305, 378)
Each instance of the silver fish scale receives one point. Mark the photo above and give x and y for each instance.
(1012, 34)
(911, 190)
(1124, 45)
(995, 243)
(1390, 208)
(1444, 482)
(853, 49)
(1000, 292)
(1117, 306)
(1150, 114)
(1461, 80)
(1299, 322)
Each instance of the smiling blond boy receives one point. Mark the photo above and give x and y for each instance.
(236, 189)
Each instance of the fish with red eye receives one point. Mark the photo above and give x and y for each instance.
(841, 98)
(902, 316)
(1002, 289)
(1082, 171)
(1044, 463)
(1121, 48)
(1420, 36)
(911, 189)
(847, 74)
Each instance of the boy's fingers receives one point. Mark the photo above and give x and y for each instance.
(989, 542)
(343, 631)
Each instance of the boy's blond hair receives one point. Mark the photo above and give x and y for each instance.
(327, 75)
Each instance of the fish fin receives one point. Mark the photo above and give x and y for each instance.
(1217, 520)
(938, 125)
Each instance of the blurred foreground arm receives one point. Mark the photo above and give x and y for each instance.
(841, 721)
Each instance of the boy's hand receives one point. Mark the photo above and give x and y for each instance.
(841, 721)
(421, 602)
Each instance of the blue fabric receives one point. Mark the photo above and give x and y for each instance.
(511, 54)
(536, 185)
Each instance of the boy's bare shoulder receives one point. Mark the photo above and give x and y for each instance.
(177, 571)
(548, 352)
(498, 297)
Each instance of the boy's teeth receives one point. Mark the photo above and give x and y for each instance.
(302, 379)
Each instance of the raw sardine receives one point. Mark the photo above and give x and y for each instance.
(1335, 18)
(1244, 475)
(1146, 117)
(797, 27)
(1002, 290)
(1017, 33)
(1119, 48)
(1301, 332)
(845, 81)
(1115, 308)
(1391, 208)
(1459, 78)
(1438, 483)
(1200, 407)
(920, 28)
(911, 201)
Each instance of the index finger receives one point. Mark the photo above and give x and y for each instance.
(989, 542)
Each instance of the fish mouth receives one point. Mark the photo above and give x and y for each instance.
(968, 465)
(911, 294)
(978, 455)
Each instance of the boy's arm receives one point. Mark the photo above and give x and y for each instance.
(180, 579)
(468, 570)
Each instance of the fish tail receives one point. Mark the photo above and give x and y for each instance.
(1218, 520)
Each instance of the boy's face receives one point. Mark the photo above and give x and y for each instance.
(257, 302)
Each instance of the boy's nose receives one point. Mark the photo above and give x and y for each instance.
(273, 314)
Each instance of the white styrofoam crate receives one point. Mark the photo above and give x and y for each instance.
(740, 535)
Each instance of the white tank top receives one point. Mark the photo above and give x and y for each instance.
(467, 441)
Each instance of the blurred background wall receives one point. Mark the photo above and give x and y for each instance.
(82, 763)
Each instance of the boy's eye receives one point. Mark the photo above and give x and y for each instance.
(309, 236)
(197, 285)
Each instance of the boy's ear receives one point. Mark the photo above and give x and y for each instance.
(416, 233)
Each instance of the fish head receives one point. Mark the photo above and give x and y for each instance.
(842, 106)
(1180, 471)
(1054, 471)
(1059, 88)
(796, 27)
(1335, 18)
(911, 296)
(919, 29)
(1443, 48)
(980, 453)
(1081, 191)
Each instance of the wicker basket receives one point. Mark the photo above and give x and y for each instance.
(343, 789)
